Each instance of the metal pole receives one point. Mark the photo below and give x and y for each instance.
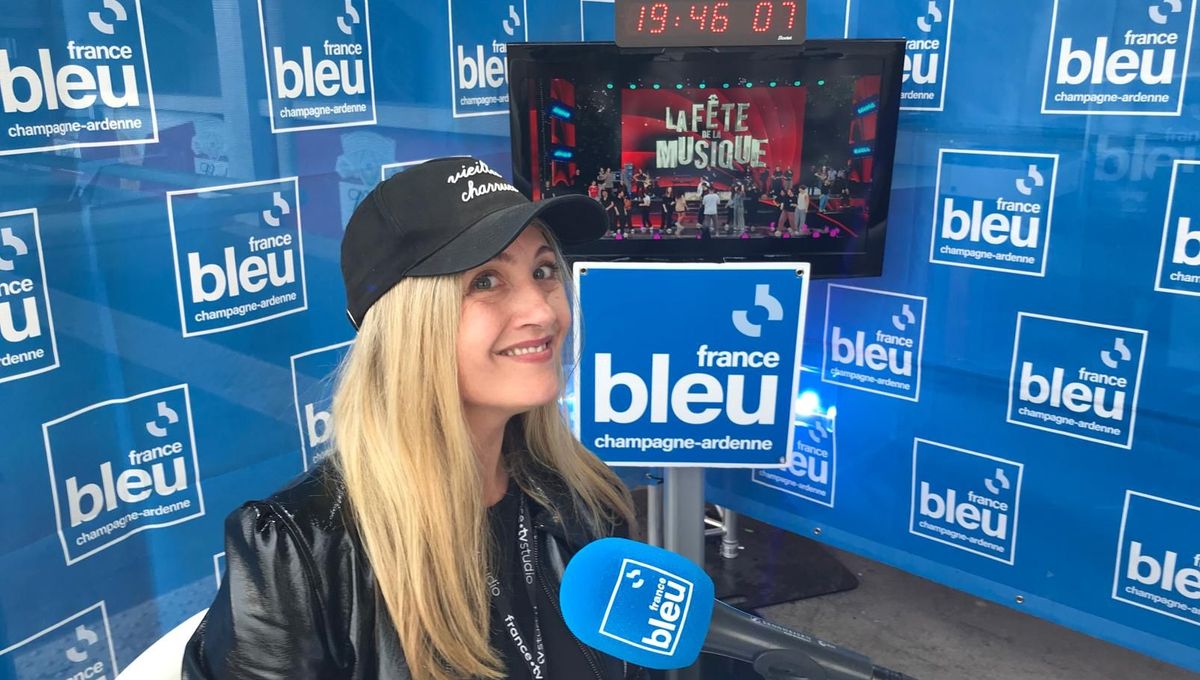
(654, 512)
(729, 539)
(683, 528)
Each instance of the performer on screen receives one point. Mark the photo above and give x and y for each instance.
(787, 208)
(709, 203)
(428, 542)
(610, 209)
(622, 204)
(668, 210)
(802, 201)
(681, 208)
(737, 200)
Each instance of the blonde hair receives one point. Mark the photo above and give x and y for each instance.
(402, 445)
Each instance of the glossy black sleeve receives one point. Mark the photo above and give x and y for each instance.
(267, 621)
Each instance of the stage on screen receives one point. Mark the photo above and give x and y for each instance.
(791, 147)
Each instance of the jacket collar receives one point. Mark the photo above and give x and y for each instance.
(561, 519)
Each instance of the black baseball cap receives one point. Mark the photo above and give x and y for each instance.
(445, 216)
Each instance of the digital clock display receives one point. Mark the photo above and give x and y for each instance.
(672, 23)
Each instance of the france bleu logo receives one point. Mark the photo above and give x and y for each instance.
(1179, 257)
(811, 471)
(1136, 65)
(1158, 557)
(1076, 378)
(317, 57)
(27, 341)
(966, 499)
(84, 84)
(721, 397)
(121, 467)
(479, 37)
(926, 25)
(648, 608)
(873, 341)
(239, 254)
(79, 646)
(312, 391)
(992, 210)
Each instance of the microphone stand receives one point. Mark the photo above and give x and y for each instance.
(784, 664)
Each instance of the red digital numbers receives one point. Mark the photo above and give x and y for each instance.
(791, 6)
(658, 13)
(762, 22)
(716, 22)
(714, 17)
(720, 22)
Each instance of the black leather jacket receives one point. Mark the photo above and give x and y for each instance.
(298, 600)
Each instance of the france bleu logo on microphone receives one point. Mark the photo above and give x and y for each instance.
(651, 608)
(656, 612)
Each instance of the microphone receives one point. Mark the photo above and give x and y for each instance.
(655, 609)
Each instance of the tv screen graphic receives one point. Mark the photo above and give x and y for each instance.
(698, 154)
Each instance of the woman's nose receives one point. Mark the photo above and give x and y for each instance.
(532, 304)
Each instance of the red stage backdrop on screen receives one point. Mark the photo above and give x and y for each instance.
(681, 134)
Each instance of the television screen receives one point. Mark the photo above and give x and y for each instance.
(705, 154)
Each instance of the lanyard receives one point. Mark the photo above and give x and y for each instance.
(536, 657)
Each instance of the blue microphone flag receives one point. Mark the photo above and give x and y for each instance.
(639, 603)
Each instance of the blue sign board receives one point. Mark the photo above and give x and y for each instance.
(873, 341)
(811, 471)
(966, 500)
(1076, 378)
(27, 342)
(926, 24)
(479, 55)
(84, 84)
(993, 210)
(317, 59)
(1179, 259)
(312, 390)
(1158, 557)
(121, 467)
(239, 254)
(707, 380)
(1132, 60)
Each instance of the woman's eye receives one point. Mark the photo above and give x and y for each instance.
(484, 282)
(546, 271)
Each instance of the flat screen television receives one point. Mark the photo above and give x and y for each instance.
(802, 137)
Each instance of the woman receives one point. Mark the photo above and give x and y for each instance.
(737, 201)
(681, 207)
(610, 211)
(787, 208)
(451, 475)
(668, 210)
(644, 202)
(624, 211)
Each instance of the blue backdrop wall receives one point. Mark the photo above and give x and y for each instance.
(174, 178)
